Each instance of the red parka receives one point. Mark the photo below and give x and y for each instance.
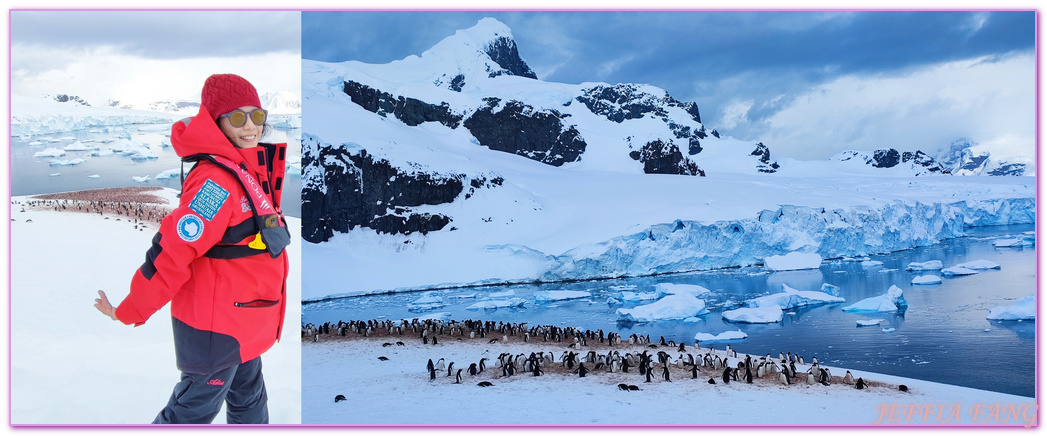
(227, 296)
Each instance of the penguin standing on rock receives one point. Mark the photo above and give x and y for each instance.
(848, 378)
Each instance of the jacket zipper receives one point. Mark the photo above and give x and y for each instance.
(258, 303)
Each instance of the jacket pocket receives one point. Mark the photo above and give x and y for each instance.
(257, 303)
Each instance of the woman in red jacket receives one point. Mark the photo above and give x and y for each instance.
(219, 259)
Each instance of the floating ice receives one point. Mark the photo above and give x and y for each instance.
(49, 152)
(100, 153)
(94, 176)
(927, 280)
(869, 322)
(678, 306)
(140, 179)
(793, 261)
(831, 289)
(77, 146)
(958, 271)
(1023, 309)
(639, 296)
(498, 304)
(888, 329)
(754, 315)
(428, 301)
(169, 174)
(978, 265)
(932, 265)
(871, 263)
(442, 316)
(1009, 242)
(547, 296)
(791, 298)
(892, 301)
(65, 163)
(503, 294)
(673, 288)
(722, 337)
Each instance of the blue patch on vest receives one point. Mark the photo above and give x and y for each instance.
(190, 228)
(208, 200)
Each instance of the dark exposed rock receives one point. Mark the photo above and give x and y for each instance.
(885, 158)
(764, 153)
(503, 52)
(360, 190)
(922, 159)
(665, 158)
(520, 129)
(457, 83)
(625, 102)
(63, 98)
(1015, 169)
(409, 110)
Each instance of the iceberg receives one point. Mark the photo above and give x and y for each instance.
(892, 301)
(979, 265)
(793, 261)
(932, 265)
(722, 337)
(140, 179)
(791, 298)
(546, 296)
(831, 289)
(958, 271)
(1008, 242)
(77, 146)
(1023, 309)
(927, 280)
(65, 163)
(672, 288)
(678, 306)
(639, 296)
(871, 264)
(498, 304)
(49, 152)
(869, 322)
(754, 315)
(428, 301)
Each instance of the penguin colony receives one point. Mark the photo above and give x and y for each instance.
(133, 203)
(583, 353)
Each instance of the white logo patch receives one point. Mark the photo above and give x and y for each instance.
(245, 205)
(190, 227)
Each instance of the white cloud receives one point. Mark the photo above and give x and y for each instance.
(100, 75)
(988, 100)
(735, 113)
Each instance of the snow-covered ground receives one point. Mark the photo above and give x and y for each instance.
(72, 365)
(398, 391)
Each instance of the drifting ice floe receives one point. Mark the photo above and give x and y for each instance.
(722, 337)
(639, 296)
(754, 315)
(498, 304)
(793, 261)
(428, 301)
(869, 322)
(140, 179)
(979, 265)
(1023, 309)
(892, 301)
(547, 296)
(927, 280)
(673, 288)
(49, 152)
(66, 163)
(678, 306)
(791, 298)
(932, 265)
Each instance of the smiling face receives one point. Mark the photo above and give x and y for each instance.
(245, 136)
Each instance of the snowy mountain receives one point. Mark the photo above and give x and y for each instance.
(459, 166)
(911, 163)
(281, 102)
(181, 107)
(966, 157)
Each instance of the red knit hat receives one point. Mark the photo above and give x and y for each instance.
(224, 92)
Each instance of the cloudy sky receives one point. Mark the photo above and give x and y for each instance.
(807, 84)
(145, 56)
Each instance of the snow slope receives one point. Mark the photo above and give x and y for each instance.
(71, 364)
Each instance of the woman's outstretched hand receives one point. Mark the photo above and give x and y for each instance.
(102, 304)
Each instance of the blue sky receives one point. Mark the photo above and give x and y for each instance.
(769, 76)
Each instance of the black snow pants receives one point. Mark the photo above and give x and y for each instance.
(198, 398)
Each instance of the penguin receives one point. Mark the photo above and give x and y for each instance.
(681, 349)
(903, 388)
(472, 369)
(712, 381)
(339, 397)
(814, 360)
(848, 378)
(440, 364)
(784, 378)
(634, 388)
(810, 376)
(824, 377)
(694, 371)
(727, 376)
(581, 370)
(485, 384)
(383, 358)
(623, 387)
(861, 384)
(665, 373)
(432, 370)
(748, 375)
(482, 366)
(458, 376)
(625, 365)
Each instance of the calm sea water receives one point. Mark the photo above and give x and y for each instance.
(942, 337)
(36, 175)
